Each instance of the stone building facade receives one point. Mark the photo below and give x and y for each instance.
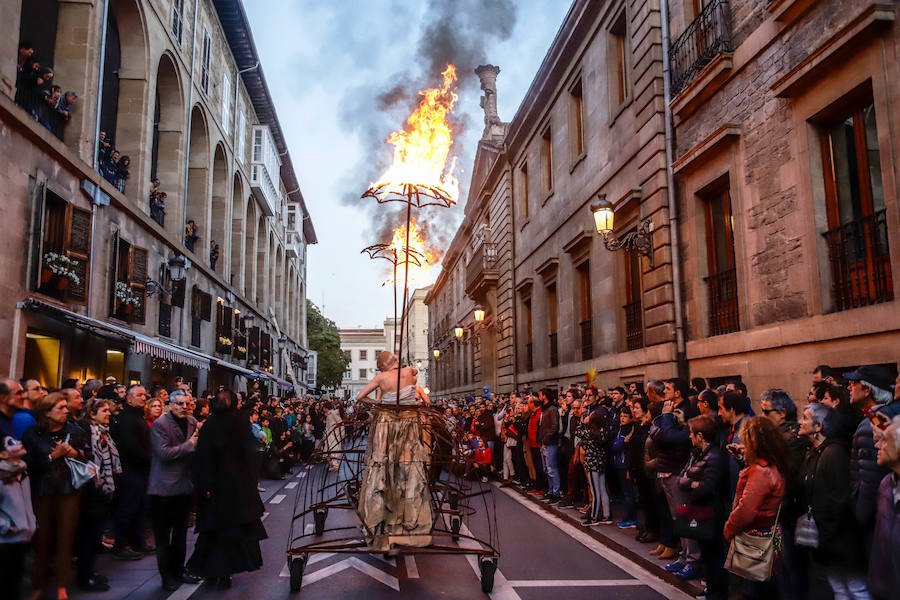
(558, 301)
(362, 347)
(415, 334)
(786, 161)
(177, 87)
(783, 188)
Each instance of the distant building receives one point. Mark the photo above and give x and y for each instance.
(415, 335)
(361, 346)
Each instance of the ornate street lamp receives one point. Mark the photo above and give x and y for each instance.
(458, 331)
(178, 267)
(479, 314)
(639, 240)
(436, 352)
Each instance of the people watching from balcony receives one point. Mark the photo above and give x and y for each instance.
(37, 93)
(157, 203)
(213, 254)
(191, 234)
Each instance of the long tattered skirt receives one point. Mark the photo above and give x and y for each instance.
(395, 500)
(221, 552)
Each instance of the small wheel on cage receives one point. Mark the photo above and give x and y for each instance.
(296, 565)
(487, 566)
(319, 516)
(453, 499)
(455, 524)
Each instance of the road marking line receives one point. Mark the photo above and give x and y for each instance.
(319, 557)
(540, 583)
(263, 518)
(290, 486)
(301, 474)
(277, 499)
(352, 563)
(391, 561)
(412, 570)
(185, 591)
(284, 571)
(309, 528)
(605, 552)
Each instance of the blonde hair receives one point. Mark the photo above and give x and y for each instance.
(386, 361)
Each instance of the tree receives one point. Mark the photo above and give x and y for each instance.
(326, 341)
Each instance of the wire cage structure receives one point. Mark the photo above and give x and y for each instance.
(327, 506)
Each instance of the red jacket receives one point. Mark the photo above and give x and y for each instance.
(484, 457)
(534, 423)
(759, 492)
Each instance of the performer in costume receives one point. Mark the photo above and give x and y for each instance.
(395, 500)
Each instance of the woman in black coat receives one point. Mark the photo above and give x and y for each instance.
(703, 481)
(229, 510)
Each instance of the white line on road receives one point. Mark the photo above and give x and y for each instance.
(412, 570)
(301, 474)
(277, 499)
(185, 591)
(601, 550)
(353, 563)
(263, 518)
(290, 486)
(285, 572)
(554, 583)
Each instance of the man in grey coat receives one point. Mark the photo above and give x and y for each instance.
(173, 438)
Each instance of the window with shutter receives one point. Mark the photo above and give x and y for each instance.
(205, 306)
(138, 283)
(265, 348)
(165, 319)
(253, 346)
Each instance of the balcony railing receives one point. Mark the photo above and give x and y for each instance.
(702, 41)
(554, 350)
(723, 302)
(860, 262)
(634, 325)
(529, 357)
(482, 268)
(587, 340)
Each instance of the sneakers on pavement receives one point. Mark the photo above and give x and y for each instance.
(675, 567)
(565, 504)
(551, 499)
(626, 524)
(126, 553)
(688, 572)
(606, 521)
(588, 521)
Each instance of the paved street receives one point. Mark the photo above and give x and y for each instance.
(542, 557)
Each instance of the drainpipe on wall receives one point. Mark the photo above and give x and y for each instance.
(670, 191)
(100, 68)
(512, 257)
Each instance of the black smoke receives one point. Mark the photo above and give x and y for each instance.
(458, 32)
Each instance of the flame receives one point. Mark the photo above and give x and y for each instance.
(421, 148)
(419, 275)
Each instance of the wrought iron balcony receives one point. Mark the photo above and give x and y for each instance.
(723, 302)
(860, 262)
(481, 271)
(701, 42)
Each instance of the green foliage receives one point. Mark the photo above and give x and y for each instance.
(326, 341)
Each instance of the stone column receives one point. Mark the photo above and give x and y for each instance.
(487, 74)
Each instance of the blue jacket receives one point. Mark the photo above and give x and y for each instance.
(21, 421)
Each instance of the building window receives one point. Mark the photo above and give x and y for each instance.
(857, 236)
(178, 19)
(722, 279)
(348, 374)
(523, 176)
(362, 373)
(226, 103)
(201, 310)
(585, 323)
(618, 62)
(204, 61)
(552, 324)
(547, 158)
(63, 248)
(576, 119)
(529, 335)
(224, 335)
(634, 316)
(363, 354)
(128, 296)
(257, 144)
(242, 135)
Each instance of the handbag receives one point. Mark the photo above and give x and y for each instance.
(806, 533)
(696, 523)
(751, 556)
(81, 472)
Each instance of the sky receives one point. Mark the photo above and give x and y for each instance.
(344, 74)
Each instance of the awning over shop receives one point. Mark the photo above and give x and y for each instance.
(160, 349)
(278, 380)
(236, 368)
(97, 327)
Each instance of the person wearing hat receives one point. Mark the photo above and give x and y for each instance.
(871, 393)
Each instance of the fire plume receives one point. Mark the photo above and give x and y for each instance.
(421, 257)
(422, 147)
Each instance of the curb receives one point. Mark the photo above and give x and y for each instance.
(693, 589)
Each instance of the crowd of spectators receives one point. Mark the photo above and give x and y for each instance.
(101, 467)
(38, 94)
(690, 468)
(112, 164)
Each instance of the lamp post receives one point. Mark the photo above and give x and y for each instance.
(479, 314)
(436, 353)
(640, 240)
(458, 331)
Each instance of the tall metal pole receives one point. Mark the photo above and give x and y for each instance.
(405, 285)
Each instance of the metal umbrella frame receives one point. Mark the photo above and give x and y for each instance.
(453, 497)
